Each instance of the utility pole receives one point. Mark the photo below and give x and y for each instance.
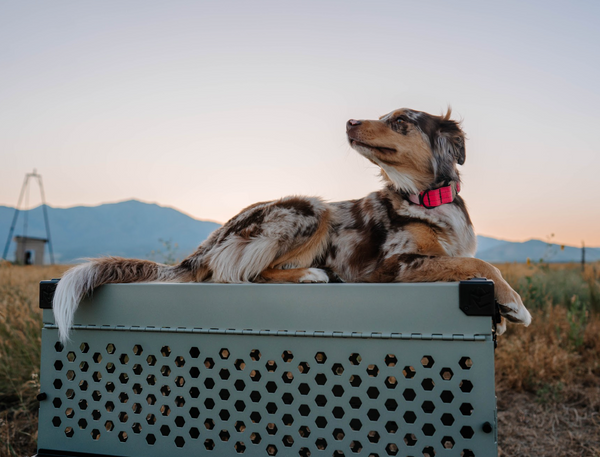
(583, 256)
(25, 188)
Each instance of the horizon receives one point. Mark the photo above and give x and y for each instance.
(213, 107)
(550, 241)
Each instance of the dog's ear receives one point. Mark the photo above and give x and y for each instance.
(453, 145)
(451, 139)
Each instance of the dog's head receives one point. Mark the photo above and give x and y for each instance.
(414, 150)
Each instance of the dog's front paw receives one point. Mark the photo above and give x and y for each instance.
(314, 275)
(511, 306)
(501, 326)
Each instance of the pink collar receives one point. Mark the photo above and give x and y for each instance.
(435, 197)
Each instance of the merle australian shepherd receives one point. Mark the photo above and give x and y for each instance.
(415, 229)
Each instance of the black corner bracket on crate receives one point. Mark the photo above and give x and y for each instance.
(47, 289)
(476, 297)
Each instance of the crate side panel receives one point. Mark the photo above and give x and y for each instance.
(294, 307)
(155, 394)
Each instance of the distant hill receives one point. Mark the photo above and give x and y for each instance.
(128, 229)
(134, 229)
(498, 251)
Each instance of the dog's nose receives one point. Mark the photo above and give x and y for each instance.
(352, 123)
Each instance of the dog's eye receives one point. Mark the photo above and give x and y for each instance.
(399, 120)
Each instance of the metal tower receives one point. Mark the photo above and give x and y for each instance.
(25, 191)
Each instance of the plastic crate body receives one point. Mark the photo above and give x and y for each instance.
(176, 369)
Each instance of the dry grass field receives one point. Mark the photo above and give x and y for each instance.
(20, 339)
(547, 375)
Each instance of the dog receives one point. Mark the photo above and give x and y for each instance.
(415, 229)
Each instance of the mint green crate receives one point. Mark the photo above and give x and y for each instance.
(310, 370)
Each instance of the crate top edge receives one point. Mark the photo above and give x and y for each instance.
(428, 308)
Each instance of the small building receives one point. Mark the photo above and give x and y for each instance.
(30, 251)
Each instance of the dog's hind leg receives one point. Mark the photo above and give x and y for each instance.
(282, 235)
(301, 275)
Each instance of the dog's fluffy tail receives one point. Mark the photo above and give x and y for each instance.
(82, 279)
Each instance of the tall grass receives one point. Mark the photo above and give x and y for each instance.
(542, 285)
(561, 349)
(20, 350)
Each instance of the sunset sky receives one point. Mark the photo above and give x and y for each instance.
(210, 106)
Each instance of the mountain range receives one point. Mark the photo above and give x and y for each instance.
(127, 229)
(146, 230)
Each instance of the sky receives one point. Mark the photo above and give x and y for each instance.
(210, 106)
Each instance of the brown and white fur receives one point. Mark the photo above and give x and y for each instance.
(379, 238)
